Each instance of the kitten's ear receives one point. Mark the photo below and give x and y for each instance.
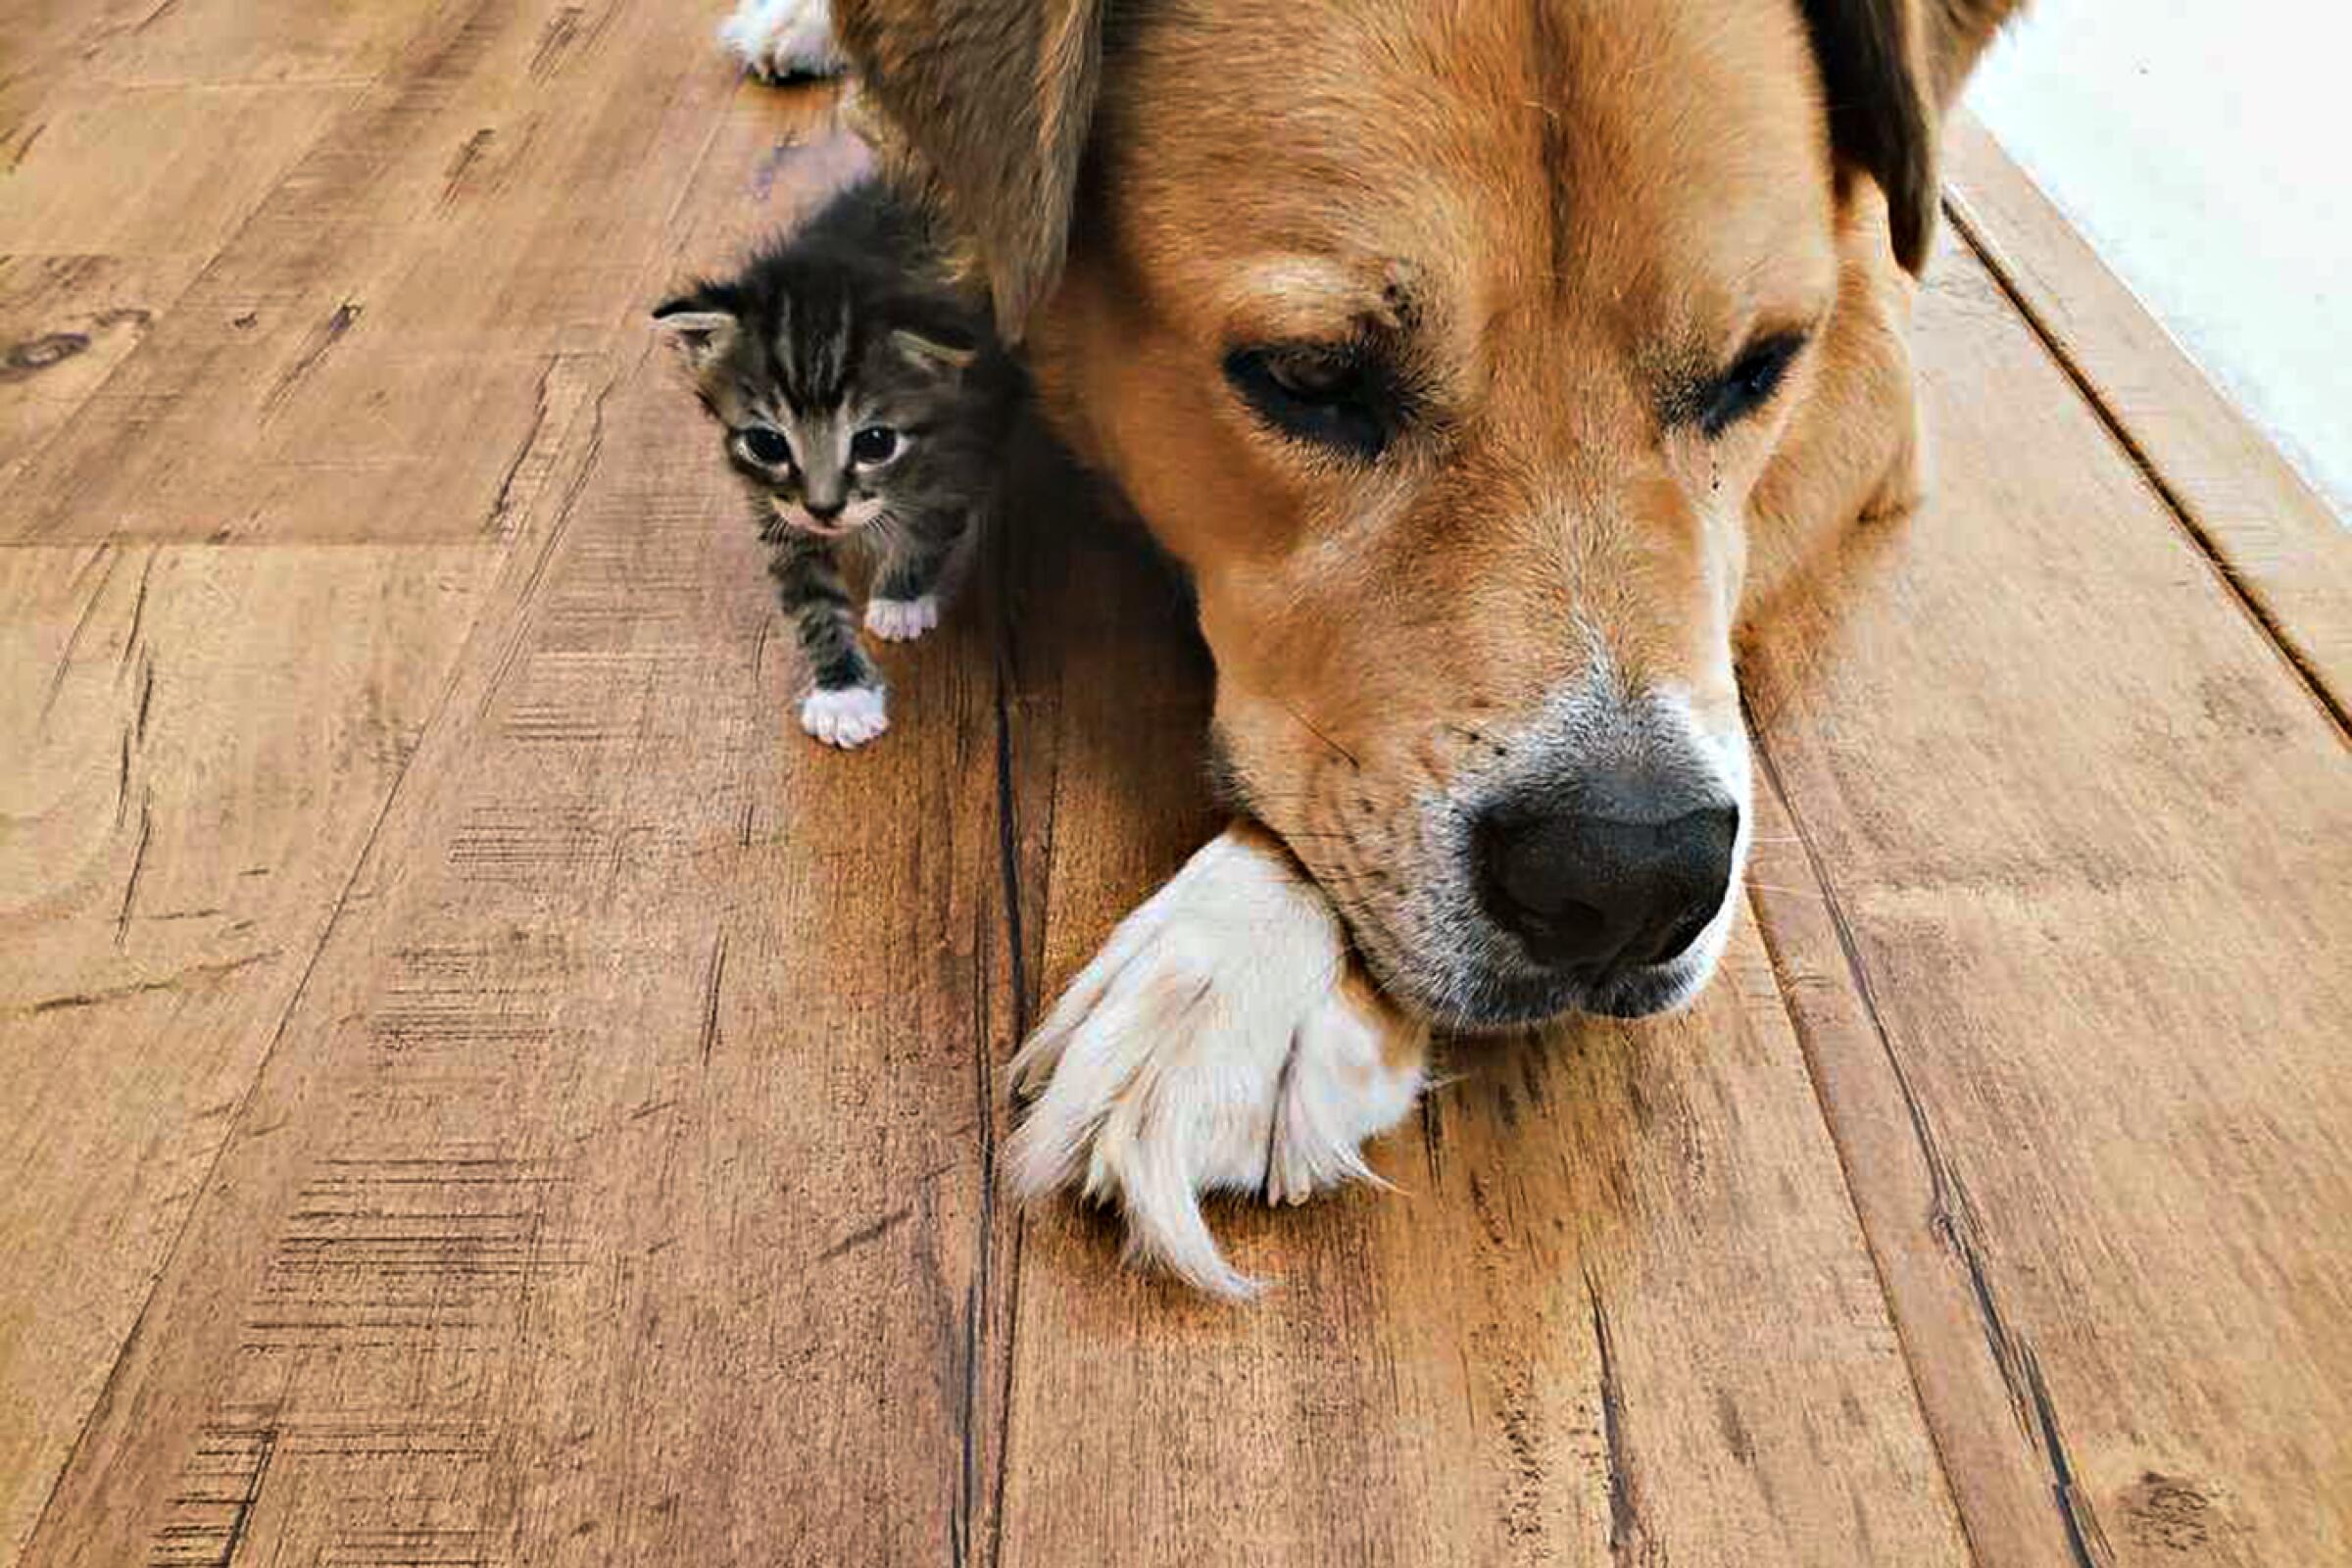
(926, 352)
(700, 325)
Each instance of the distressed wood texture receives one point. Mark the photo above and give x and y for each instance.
(2288, 555)
(617, 1186)
(2067, 933)
(199, 742)
(1619, 1310)
(483, 1089)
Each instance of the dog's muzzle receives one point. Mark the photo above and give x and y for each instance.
(1607, 877)
(1590, 868)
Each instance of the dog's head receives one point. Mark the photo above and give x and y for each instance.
(1449, 348)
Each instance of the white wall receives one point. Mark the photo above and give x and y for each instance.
(2205, 148)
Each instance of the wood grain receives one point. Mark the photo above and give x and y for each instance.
(577, 1147)
(255, 42)
(46, 46)
(65, 323)
(199, 745)
(574, 1114)
(1620, 1312)
(156, 171)
(397, 325)
(2072, 951)
(2282, 546)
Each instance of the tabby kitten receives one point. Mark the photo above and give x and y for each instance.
(867, 405)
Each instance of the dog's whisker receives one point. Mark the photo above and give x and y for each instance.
(1318, 734)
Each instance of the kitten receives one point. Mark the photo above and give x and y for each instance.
(865, 405)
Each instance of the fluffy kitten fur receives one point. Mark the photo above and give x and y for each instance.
(866, 404)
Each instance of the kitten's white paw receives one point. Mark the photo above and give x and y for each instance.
(780, 39)
(848, 716)
(1218, 1042)
(902, 621)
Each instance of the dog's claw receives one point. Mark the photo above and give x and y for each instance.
(1216, 1044)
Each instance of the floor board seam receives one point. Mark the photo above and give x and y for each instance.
(2273, 630)
(1951, 1216)
(1004, 666)
(459, 665)
(1846, 1173)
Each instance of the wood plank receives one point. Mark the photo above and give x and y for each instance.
(67, 321)
(199, 744)
(2282, 546)
(381, 343)
(156, 171)
(1621, 1313)
(44, 43)
(2076, 999)
(254, 42)
(619, 1186)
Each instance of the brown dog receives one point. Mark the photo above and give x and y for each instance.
(1462, 353)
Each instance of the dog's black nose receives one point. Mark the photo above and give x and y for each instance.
(1604, 884)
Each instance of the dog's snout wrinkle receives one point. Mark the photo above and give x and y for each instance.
(1593, 886)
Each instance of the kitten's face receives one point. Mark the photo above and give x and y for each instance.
(821, 409)
(824, 465)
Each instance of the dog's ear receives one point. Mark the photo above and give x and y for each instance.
(1889, 69)
(988, 104)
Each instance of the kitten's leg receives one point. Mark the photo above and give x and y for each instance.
(847, 708)
(908, 583)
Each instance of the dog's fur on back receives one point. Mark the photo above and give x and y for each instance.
(1613, 295)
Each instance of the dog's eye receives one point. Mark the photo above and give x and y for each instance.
(1750, 383)
(1337, 398)
(767, 447)
(876, 442)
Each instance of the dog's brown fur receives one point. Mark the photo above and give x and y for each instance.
(1568, 208)
(1556, 219)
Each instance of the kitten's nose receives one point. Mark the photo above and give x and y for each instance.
(824, 509)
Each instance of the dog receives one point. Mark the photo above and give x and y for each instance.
(1480, 362)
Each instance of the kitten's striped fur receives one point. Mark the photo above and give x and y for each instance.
(866, 404)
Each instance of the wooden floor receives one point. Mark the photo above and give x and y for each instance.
(481, 1089)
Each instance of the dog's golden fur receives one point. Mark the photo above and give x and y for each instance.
(1564, 214)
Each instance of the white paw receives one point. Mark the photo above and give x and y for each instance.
(1216, 1043)
(847, 716)
(902, 621)
(780, 39)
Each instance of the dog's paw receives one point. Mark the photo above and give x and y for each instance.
(1218, 1042)
(847, 716)
(783, 40)
(902, 621)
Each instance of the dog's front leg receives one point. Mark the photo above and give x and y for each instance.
(1223, 1039)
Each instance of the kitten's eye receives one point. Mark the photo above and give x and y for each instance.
(1343, 398)
(765, 446)
(876, 442)
(1750, 383)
